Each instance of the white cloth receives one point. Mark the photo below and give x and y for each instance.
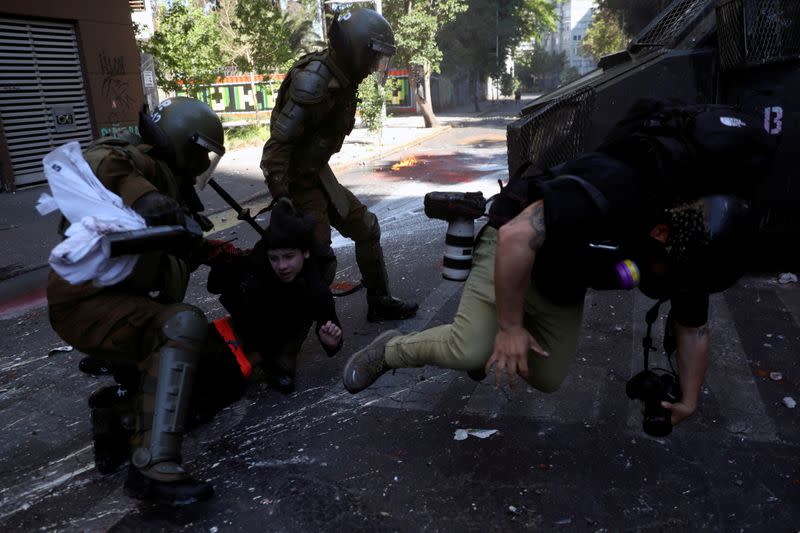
(93, 211)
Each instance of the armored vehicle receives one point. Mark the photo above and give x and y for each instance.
(736, 52)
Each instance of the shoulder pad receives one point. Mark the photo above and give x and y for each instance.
(310, 83)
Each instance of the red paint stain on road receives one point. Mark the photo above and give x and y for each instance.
(432, 168)
(22, 304)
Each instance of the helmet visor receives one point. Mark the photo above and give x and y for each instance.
(215, 153)
(207, 174)
(381, 68)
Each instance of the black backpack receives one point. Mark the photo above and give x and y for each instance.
(693, 150)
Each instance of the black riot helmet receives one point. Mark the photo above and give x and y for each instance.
(363, 43)
(708, 246)
(189, 134)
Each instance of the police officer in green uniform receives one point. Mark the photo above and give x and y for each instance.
(142, 324)
(314, 111)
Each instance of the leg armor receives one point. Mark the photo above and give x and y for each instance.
(170, 379)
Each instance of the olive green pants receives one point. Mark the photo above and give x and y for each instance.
(467, 343)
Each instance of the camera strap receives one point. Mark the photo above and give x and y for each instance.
(647, 341)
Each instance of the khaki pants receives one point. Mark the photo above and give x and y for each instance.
(467, 343)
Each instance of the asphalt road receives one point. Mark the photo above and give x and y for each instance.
(386, 459)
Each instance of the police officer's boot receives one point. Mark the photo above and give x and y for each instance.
(382, 307)
(112, 426)
(380, 304)
(156, 473)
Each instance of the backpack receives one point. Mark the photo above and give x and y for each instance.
(689, 151)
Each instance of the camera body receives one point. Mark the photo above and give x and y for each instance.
(652, 389)
(459, 210)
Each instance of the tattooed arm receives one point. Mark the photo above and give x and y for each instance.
(518, 242)
(692, 357)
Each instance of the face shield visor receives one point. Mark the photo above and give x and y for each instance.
(215, 152)
(382, 59)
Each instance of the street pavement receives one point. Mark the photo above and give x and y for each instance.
(387, 459)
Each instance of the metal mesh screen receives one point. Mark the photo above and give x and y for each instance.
(753, 32)
(671, 24)
(552, 134)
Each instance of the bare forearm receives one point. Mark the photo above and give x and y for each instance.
(692, 357)
(517, 245)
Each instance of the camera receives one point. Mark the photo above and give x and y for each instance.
(652, 389)
(459, 210)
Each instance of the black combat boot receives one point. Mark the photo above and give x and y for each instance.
(368, 364)
(380, 308)
(95, 367)
(111, 427)
(180, 492)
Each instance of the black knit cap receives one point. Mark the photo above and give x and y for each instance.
(288, 228)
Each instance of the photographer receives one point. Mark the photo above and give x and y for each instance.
(678, 213)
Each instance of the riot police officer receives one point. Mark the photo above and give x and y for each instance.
(155, 342)
(314, 111)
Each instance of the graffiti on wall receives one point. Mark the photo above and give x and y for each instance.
(115, 88)
(235, 94)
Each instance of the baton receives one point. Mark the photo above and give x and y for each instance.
(242, 213)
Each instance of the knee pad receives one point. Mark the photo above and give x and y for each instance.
(187, 324)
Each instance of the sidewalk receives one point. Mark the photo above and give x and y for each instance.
(26, 237)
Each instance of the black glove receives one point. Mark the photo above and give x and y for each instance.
(159, 210)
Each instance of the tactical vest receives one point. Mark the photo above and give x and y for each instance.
(155, 271)
(332, 124)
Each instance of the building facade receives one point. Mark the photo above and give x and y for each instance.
(69, 71)
(574, 18)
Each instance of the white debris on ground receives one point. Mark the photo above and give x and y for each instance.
(787, 277)
(789, 402)
(462, 434)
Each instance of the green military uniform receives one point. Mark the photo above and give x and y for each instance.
(120, 323)
(128, 324)
(314, 112)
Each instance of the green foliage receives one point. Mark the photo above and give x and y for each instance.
(508, 84)
(416, 26)
(604, 36)
(541, 70)
(265, 36)
(633, 15)
(245, 136)
(491, 30)
(373, 98)
(186, 47)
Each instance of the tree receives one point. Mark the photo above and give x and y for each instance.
(542, 70)
(604, 36)
(187, 48)
(633, 15)
(491, 30)
(416, 25)
(260, 38)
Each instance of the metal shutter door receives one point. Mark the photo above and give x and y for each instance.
(40, 75)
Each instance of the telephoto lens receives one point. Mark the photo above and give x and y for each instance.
(460, 211)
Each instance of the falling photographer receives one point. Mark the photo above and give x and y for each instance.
(665, 204)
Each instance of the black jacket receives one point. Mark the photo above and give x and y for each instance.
(267, 313)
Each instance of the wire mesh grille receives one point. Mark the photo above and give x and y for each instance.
(753, 32)
(553, 134)
(667, 29)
